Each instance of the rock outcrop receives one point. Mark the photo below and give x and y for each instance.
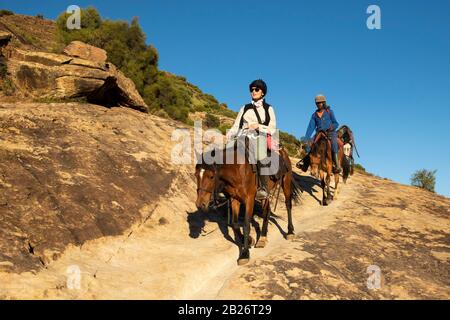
(73, 172)
(49, 75)
(85, 51)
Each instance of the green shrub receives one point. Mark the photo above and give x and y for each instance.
(123, 42)
(424, 179)
(4, 12)
(226, 112)
(223, 129)
(292, 145)
(3, 71)
(211, 121)
(166, 95)
(7, 86)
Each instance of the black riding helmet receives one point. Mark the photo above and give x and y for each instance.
(260, 84)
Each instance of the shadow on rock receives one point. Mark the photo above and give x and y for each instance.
(307, 183)
(222, 217)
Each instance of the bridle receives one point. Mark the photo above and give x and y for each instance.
(213, 190)
(205, 190)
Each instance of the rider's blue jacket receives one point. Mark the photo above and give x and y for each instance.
(327, 122)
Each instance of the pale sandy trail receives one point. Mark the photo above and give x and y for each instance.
(162, 261)
(307, 216)
(374, 221)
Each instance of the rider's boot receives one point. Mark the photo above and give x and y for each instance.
(263, 189)
(336, 165)
(304, 163)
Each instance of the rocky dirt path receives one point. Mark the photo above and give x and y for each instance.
(161, 260)
(308, 216)
(177, 255)
(401, 233)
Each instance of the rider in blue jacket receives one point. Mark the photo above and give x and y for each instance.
(324, 120)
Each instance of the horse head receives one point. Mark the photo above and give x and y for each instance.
(318, 153)
(206, 175)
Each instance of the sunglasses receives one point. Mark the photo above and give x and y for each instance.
(255, 89)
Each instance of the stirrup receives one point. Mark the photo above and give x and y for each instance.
(261, 194)
(221, 195)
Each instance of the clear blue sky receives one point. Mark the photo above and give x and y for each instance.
(392, 86)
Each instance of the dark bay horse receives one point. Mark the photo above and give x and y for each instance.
(322, 165)
(238, 181)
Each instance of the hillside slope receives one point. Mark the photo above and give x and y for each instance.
(170, 96)
(75, 172)
(31, 32)
(94, 188)
(403, 231)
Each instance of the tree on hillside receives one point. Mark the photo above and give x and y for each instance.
(123, 42)
(4, 12)
(424, 179)
(212, 121)
(126, 48)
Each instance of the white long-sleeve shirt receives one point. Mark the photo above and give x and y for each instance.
(250, 118)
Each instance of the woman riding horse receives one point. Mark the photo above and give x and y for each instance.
(237, 179)
(256, 120)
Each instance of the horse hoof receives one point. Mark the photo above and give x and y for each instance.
(290, 236)
(261, 242)
(251, 241)
(241, 262)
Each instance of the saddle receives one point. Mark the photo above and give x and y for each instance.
(318, 136)
(324, 134)
(282, 165)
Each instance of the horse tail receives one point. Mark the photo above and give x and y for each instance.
(295, 190)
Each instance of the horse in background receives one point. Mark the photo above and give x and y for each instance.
(347, 166)
(321, 163)
(345, 134)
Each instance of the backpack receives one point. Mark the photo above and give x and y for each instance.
(251, 106)
(271, 144)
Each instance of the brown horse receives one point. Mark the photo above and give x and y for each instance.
(238, 181)
(322, 165)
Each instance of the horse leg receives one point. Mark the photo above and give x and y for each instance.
(262, 241)
(336, 185)
(329, 198)
(245, 254)
(288, 202)
(235, 206)
(323, 185)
